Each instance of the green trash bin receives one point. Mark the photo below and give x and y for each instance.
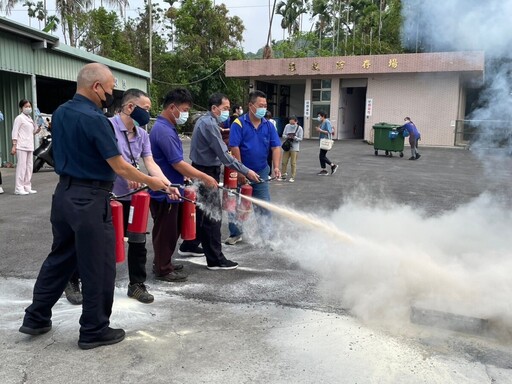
(388, 139)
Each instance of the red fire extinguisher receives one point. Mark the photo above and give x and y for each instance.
(117, 220)
(188, 215)
(138, 218)
(228, 201)
(244, 206)
(230, 178)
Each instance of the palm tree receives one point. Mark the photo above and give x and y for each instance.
(291, 11)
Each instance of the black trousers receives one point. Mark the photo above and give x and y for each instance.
(323, 158)
(137, 252)
(83, 240)
(209, 222)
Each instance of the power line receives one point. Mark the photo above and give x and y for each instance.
(193, 82)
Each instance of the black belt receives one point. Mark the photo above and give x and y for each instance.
(101, 184)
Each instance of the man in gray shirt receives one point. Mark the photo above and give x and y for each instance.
(207, 152)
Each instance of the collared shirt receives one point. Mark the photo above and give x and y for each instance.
(82, 140)
(326, 126)
(254, 143)
(23, 132)
(138, 146)
(167, 150)
(207, 147)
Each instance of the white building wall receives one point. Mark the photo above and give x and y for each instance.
(430, 100)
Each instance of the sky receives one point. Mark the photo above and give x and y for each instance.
(254, 13)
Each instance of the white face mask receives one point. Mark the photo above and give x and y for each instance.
(27, 111)
(241, 111)
(183, 118)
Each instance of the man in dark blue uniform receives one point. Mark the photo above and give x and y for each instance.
(87, 159)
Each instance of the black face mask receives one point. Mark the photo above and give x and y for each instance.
(109, 99)
(140, 115)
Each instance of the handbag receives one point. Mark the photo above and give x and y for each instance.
(326, 144)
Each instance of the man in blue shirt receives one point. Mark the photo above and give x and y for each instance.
(168, 154)
(208, 152)
(87, 159)
(251, 138)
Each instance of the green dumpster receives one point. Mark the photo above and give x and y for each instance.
(388, 139)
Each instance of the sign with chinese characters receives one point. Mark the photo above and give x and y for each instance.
(369, 107)
(393, 63)
(315, 66)
(307, 108)
(292, 67)
(366, 64)
(340, 64)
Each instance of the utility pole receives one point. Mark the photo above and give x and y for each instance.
(150, 11)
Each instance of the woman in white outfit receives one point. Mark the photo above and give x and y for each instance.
(23, 132)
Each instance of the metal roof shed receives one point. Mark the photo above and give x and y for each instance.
(34, 65)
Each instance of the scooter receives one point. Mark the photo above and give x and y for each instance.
(44, 153)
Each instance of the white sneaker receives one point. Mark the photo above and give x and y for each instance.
(31, 191)
(232, 240)
(292, 180)
(21, 193)
(1, 190)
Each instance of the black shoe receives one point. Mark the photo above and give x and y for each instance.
(334, 168)
(226, 264)
(177, 267)
(323, 172)
(73, 293)
(418, 156)
(195, 252)
(139, 292)
(412, 158)
(35, 331)
(110, 336)
(174, 276)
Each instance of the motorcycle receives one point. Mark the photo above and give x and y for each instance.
(44, 153)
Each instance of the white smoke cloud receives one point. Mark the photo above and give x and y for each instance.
(459, 25)
(458, 262)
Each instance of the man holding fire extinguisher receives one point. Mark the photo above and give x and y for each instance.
(86, 160)
(133, 143)
(168, 154)
(207, 152)
(251, 138)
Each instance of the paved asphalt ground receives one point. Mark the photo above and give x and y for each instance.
(273, 320)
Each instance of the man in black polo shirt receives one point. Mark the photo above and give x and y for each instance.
(87, 159)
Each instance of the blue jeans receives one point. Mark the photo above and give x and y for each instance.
(259, 191)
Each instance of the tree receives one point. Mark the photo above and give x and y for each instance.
(291, 11)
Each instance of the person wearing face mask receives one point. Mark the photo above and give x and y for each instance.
(134, 145)
(167, 151)
(87, 159)
(325, 129)
(251, 138)
(293, 132)
(23, 131)
(208, 152)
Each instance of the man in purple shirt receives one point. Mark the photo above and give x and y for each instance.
(168, 154)
(134, 145)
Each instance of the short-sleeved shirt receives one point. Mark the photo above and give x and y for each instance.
(207, 147)
(326, 126)
(254, 143)
(137, 146)
(167, 150)
(82, 140)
